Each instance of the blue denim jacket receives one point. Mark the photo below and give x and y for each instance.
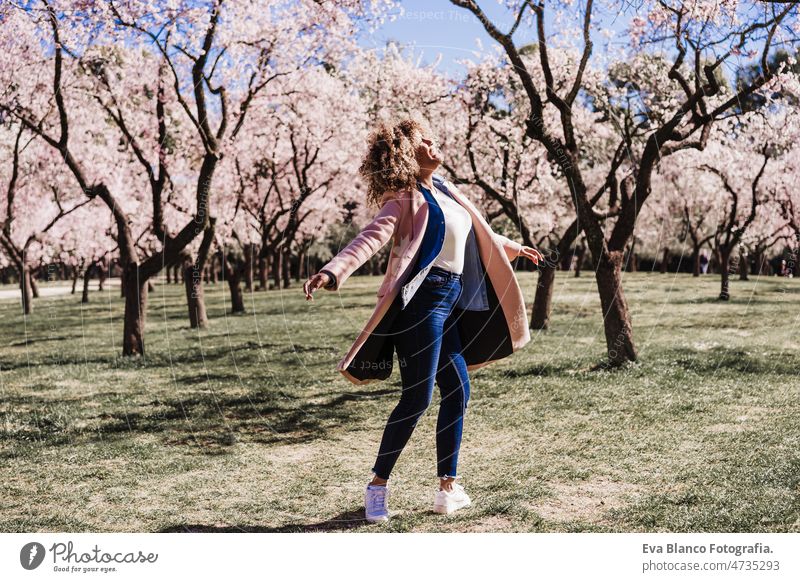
(473, 278)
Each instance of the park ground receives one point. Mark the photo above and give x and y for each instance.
(248, 426)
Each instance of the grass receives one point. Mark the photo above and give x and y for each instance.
(248, 426)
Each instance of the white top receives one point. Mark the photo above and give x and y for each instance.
(457, 222)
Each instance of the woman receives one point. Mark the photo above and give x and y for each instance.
(449, 301)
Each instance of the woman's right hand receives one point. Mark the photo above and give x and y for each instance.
(315, 282)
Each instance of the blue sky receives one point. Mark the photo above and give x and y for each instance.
(437, 26)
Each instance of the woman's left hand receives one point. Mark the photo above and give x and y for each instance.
(532, 254)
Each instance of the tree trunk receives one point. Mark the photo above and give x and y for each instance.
(248, 267)
(540, 318)
(277, 268)
(763, 264)
(616, 316)
(26, 290)
(301, 257)
(193, 278)
(87, 277)
(135, 312)
(76, 273)
(33, 284)
(580, 252)
(542, 304)
(664, 260)
(263, 285)
(723, 257)
(633, 259)
(212, 269)
(565, 263)
(235, 285)
(287, 265)
(743, 267)
(195, 295)
(101, 274)
(237, 297)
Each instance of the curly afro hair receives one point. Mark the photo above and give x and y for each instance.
(390, 162)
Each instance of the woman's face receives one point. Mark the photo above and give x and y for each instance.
(428, 155)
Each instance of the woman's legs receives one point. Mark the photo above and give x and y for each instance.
(453, 380)
(417, 371)
(414, 401)
(418, 339)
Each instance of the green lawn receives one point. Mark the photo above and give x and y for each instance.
(248, 426)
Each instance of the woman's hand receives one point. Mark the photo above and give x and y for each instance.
(532, 254)
(315, 282)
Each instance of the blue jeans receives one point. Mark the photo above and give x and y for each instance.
(428, 348)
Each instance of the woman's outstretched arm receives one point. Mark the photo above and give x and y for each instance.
(514, 249)
(511, 247)
(368, 242)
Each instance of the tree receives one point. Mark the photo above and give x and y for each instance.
(703, 37)
(746, 190)
(297, 173)
(210, 60)
(29, 183)
(494, 154)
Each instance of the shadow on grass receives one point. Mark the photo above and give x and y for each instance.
(33, 340)
(221, 420)
(243, 352)
(209, 377)
(707, 300)
(721, 359)
(541, 370)
(343, 521)
(210, 423)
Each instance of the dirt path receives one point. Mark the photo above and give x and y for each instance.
(10, 292)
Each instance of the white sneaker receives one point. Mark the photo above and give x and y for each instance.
(450, 501)
(376, 507)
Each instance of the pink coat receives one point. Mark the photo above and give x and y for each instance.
(487, 336)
